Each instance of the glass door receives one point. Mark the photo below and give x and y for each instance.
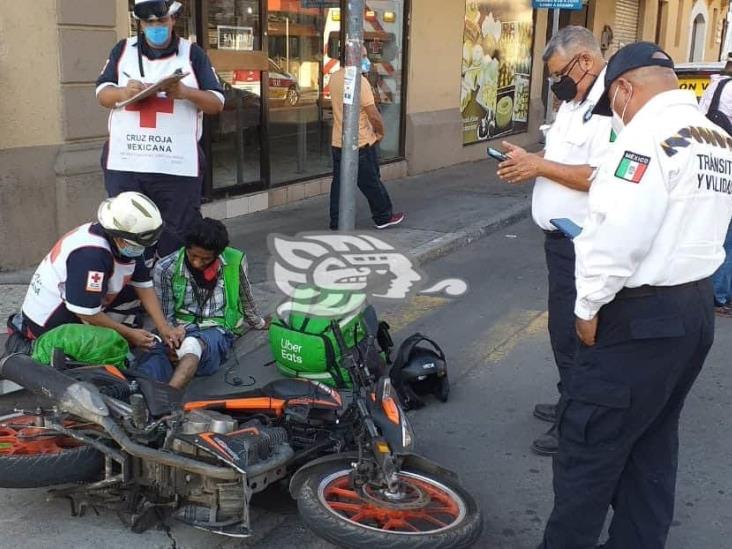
(236, 155)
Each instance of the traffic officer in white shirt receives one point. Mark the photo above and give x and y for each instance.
(659, 211)
(153, 144)
(575, 146)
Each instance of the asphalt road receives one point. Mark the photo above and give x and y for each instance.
(500, 366)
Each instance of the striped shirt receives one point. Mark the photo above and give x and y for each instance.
(210, 308)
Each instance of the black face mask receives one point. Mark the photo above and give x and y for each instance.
(565, 89)
(206, 279)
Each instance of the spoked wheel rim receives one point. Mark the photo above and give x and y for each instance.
(20, 436)
(442, 508)
(292, 97)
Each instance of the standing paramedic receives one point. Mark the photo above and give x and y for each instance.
(153, 144)
(659, 211)
(575, 147)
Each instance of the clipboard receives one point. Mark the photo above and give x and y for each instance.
(177, 76)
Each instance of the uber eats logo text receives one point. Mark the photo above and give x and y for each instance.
(291, 351)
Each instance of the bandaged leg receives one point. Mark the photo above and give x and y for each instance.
(190, 346)
(189, 355)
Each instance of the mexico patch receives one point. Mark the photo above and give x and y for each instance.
(632, 167)
(94, 280)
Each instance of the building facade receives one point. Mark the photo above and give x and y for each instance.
(271, 145)
(689, 30)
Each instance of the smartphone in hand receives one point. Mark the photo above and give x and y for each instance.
(497, 155)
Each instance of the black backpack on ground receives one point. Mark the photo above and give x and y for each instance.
(714, 114)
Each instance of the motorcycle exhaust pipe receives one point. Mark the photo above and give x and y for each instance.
(75, 397)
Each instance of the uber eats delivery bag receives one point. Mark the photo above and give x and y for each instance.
(305, 346)
(82, 343)
(303, 343)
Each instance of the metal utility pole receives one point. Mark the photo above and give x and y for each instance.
(351, 113)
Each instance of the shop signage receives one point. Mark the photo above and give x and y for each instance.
(558, 4)
(235, 38)
(496, 68)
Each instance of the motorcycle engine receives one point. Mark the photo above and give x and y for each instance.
(208, 421)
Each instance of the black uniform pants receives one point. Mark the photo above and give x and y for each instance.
(178, 198)
(560, 261)
(619, 418)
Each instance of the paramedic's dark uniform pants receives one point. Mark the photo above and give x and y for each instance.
(178, 199)
(560, 261)
(619, 418)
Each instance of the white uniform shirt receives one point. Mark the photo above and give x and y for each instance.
(660, 205)
(576, 138)
(94, 282)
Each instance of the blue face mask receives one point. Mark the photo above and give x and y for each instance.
(365, 64)
(131, 250)
(157, 35)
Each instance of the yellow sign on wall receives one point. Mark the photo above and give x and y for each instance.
(697, 84)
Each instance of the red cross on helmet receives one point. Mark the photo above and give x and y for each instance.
(152, 10)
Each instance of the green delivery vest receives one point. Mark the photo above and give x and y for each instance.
(233, 319)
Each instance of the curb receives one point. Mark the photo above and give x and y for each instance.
(423, 253)
(450, 242)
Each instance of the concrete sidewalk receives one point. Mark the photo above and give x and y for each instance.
(446, 209)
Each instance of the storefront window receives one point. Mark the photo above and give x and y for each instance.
(234, 38)
(286, 66)
(383, 25)
(299, 121)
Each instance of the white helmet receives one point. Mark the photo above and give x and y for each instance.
(152, 10)
(132, 216)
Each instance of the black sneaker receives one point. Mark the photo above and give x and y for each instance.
(723, 310)
(547, 444)
(546, 412)
(393, 220)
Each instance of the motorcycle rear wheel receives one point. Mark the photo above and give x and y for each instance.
(438, 514)
(31, 458)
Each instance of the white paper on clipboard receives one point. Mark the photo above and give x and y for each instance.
(153, 89)
(349, 85)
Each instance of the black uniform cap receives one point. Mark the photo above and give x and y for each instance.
(631, 57)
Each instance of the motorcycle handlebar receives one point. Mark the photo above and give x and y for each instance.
(37, 378)
(80, 399)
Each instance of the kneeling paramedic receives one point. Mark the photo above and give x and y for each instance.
(88, 268)
(659, 211)
(203, 287)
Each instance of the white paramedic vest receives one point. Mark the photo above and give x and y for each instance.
(47, 291)
(158, 134)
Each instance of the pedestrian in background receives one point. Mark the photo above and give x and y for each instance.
(575, 146)
(370, 133)
(717, 104)
(644, 308)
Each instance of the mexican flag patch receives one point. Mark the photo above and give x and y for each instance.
(632, 167)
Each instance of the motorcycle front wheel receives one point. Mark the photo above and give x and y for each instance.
(431, 511)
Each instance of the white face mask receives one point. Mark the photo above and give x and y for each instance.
(618, 122)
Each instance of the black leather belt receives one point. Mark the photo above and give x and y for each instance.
(554, 234)
(647, 291)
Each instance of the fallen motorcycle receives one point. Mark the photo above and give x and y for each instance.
(133, 445)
